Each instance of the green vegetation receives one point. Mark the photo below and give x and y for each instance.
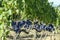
(41, 10)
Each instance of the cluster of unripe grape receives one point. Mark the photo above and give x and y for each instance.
(28, 24)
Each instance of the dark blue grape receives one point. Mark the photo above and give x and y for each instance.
(50, 28)
(21, 23)
(37, 27)
(13, 23)
(15, 27)
(42, 26)
(26, 26)
(28, 22)
(36, 24)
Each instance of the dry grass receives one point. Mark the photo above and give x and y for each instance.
(44, 35)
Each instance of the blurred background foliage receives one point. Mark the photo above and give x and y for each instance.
(41, 10)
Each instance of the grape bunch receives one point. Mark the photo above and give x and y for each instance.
(36, 26)
(50, 28)
(15, 27)
(28, 24)
(39, 27)
(21, 23)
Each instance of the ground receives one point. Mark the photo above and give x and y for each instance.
(44, 35)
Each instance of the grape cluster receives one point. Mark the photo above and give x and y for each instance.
(50, 28)
(39, 27)
(36, 26)
(15, 27)
(27, 24)
(21, 23)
